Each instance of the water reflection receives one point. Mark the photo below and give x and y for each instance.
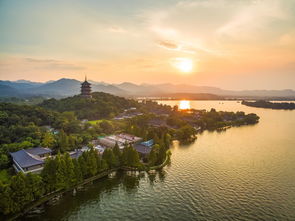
(94, 193)
(162, 175)
(152, 178)
(184, 105)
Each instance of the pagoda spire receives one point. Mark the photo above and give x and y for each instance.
(86, 88)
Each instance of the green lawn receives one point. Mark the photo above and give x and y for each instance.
(4, 175)
(93, 122)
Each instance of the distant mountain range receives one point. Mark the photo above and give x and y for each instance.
(60, 88)
(67, 87)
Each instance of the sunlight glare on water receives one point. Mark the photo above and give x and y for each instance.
(184, 105)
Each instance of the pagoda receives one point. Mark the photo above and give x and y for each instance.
(86, 89)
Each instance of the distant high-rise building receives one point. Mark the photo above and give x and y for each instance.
(86, 89)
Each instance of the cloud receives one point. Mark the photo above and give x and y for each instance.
(116, 29)
(52, 64)
(254, 16)
(170, 45)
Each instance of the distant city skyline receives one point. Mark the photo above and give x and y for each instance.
(228, 44)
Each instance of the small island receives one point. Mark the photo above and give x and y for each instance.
(270, 105)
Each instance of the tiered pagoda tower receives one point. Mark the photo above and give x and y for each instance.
(86, 89)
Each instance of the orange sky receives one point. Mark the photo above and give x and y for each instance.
(232, 44)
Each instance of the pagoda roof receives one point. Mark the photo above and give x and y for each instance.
(85, 83)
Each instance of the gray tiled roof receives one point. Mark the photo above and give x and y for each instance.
(25, 159)
(38, 150)
(76, 154)
(142, 149)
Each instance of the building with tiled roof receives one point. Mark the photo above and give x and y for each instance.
(30, 160)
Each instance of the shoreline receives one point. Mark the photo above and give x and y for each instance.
(103, 174)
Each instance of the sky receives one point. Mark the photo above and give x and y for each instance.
(232, 44)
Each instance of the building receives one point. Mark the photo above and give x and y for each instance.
(121, 139)
(76, 153)
(86, 89)
(30, 160)
(144, 148)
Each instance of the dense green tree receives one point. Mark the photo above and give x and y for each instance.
(109, 157)
(92, 162)
(130, 157)
(70, 176)
(6, 203)
(106, 127)
(72, 142)
(161, 155)
(63, 141)
(4, 160)
(104, 165)
(186, 133)
(20, 193)
(101, 105)
(118, 155)
(48, 175)
(153, 156)
(34, 184)
(83, 165)
(157, 155)
(167, 140)
(77, 171)
(60, 172)
(48, 140)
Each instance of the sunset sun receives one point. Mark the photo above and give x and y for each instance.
(184, 65)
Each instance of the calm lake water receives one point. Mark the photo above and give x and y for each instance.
(244, 173)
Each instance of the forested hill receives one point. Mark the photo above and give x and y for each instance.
(101, 105)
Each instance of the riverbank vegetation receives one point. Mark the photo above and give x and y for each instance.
(62, 173)
(270, 105)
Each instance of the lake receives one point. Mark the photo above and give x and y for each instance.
(243, 173)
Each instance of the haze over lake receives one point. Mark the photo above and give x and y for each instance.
(244, 173)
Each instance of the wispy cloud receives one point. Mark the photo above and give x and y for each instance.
(170, 45)
(52, 64)
(253, 16)
(116, 29)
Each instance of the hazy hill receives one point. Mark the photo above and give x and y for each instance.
(61, 88)
(17, 85)
(68, 87)
(143, 89)
(192, 96)
(7, 91)
(160, 89)
(28, 82)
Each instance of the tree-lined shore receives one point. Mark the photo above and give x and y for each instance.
(63, 173)
(270, 105)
